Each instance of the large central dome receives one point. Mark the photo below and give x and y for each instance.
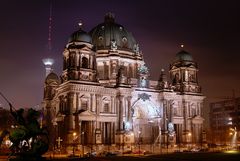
(104, 34)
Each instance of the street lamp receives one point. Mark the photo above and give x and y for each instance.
(74, 135)
(123, 142)
(132, 139)
(139, 133)
(190, 140)
(233, 134)
(82, 143)
(160, 138)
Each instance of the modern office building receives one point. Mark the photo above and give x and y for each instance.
(224, 120)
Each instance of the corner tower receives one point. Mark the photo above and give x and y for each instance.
(184, 80)
(79, 58)
(184, 73)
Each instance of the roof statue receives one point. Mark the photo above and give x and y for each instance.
(143, 69)
(136, 48)
(113, 45)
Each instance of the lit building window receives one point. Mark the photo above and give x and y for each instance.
(106, 107)
(84, 62)
(193, 111)
(175, 112)
(84, 105)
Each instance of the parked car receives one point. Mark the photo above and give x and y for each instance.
(108, 154)
(92, 154)
(195, 149)
(138, 152)
(127, 152)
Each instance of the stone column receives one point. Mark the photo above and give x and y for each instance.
(91, 61)
(77, 60)
(119, 132)
(80, 131)
(120, 113)
(70, 116)
(91, 103)
(169, 110)
(185, 114)
(165, 122)
(71, 110)
(77, 102)
(165, 115)
(94, 101)
(135, 69)
(110, 69)
(104, 70)
(76, 113)
(185, 130)
(112, 105)
(129, 109)
(98, 103)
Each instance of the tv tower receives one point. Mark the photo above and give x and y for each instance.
(48, 62)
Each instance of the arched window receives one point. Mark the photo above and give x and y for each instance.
(72, 59)
(175, 112)
(63, 104)
(130, 71)
(193, 111)
(84, 62)
(84, 105)
(176, 78)
(106, 107)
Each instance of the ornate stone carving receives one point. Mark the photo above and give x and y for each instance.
(143, 69)
(113, 45)
(144, 96)
(136, 48)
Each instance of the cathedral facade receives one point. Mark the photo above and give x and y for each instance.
(104, 95)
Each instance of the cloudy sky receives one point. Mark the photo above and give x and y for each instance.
(209, 31)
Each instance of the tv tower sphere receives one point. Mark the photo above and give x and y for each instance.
(48, 62)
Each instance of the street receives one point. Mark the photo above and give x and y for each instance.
(206, 156)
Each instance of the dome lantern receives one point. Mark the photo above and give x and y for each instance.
(109, 18)
(80, 35)
(183, 56)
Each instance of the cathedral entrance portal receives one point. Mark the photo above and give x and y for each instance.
(146, 122)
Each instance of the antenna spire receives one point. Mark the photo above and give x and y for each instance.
(48, 62)
(50, 28)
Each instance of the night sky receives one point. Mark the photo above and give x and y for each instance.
(210, 31)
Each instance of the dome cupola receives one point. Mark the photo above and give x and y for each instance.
(110, 35)
(80, 36)
(183, 56)
(52, 78)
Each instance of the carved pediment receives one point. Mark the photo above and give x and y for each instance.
(197, 119)
(87, 115)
